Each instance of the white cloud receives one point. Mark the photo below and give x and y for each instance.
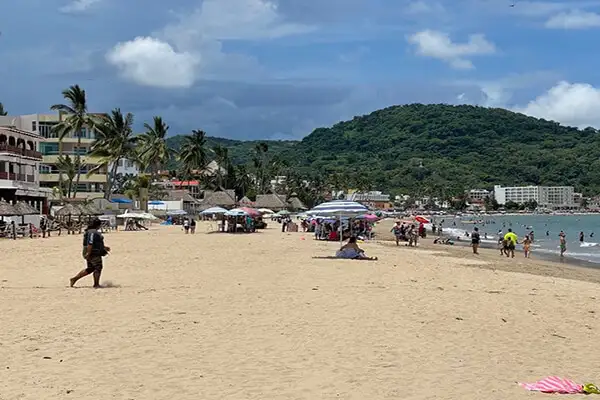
(151, 62)
(424, 7)
(574, 19)
(574, 104)
(191, 48)
(78, 6)
(438, 45)
(233, 20)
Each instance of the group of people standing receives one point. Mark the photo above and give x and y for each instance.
(408, 233)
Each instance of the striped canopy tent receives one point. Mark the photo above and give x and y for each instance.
(340, 208)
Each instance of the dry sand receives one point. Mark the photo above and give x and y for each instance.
(217, 316)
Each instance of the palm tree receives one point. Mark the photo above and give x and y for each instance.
(154, 152)
(260, 161)
(77, 118)
(243, 180)
(223, 163)
(2, 110)
(193, 154)
(114, 142)
(66, 165)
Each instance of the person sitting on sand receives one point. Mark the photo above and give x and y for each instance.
(93, 251)
(351, 251)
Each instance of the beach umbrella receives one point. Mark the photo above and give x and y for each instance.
(282, 213)
(422, 219)
(121, 201)
(214, 210)
(266, 211)
(253, 212)
(177, 212)
(155, 203)
(236, 212)
(7, 210)
(339, 207)
(368, 217)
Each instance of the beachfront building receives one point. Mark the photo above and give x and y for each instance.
(373, 199)
(127, 167)
(477, 195)
(19, 163)
(545, 196)
(90, 185)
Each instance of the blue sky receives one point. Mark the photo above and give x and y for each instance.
(276, 69)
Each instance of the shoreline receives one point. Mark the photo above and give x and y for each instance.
(551, 257)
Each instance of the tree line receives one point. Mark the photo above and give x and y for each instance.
(116, 141)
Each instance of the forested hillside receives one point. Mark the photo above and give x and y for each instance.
(440, 149)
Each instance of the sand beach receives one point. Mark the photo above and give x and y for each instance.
(220, 316)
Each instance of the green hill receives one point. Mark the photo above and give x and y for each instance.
(442, 149)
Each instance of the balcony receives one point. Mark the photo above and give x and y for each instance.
(5, 148)
(10, 176)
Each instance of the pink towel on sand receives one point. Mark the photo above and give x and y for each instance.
(554, 384)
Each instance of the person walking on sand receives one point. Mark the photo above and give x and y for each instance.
(511, 241)
(397, 231)
(526, 246)
(93, 251)
(475, 240)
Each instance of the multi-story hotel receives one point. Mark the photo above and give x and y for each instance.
(19, 164)
(545, 196)
(90, 185)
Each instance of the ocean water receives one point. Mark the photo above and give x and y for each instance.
(545, 227)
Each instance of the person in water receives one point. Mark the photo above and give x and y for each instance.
(563, 244)
(511, 242)
(526, 246)
(581, 237)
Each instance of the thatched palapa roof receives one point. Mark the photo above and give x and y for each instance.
(69, 209)
(219, 199)
(90, 209)
(246, 201)
(296, 204)
(25, 209)
(278, 202)
(7, 210)
(275, 202)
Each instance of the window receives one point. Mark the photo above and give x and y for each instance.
(33, 126)
(49, 149)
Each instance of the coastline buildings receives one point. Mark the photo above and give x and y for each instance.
(41, 124)
(544, 196)
(19, 168)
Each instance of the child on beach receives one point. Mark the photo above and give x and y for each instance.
(526, 246)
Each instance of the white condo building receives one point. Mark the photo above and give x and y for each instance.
(545, 196)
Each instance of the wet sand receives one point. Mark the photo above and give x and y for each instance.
(218, 316)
